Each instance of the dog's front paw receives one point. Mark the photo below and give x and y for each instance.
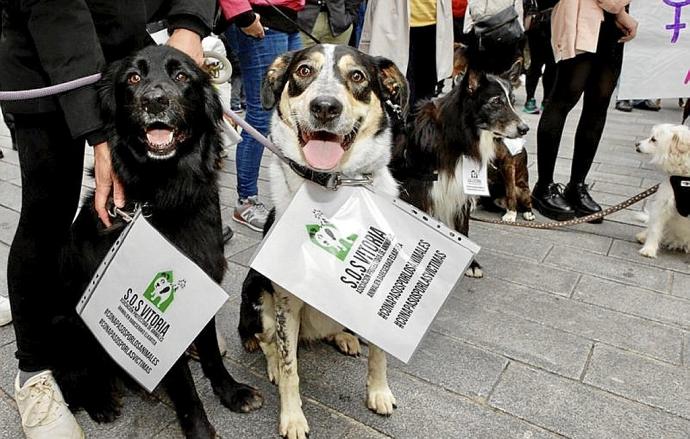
(510, 216)
(294, 425)
(529, 215)
(251, 344)
(347, 343)
(381, 400)
(105, 410)
(240, 398)
(649, 252)
(641, 237)
(474, 271)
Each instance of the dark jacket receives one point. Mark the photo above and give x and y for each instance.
(47, 42)
(341, 14)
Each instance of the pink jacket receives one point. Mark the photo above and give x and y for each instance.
(233, 8)
(575, 25)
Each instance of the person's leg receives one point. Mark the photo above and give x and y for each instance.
(571, 77)
(421, 67)
(52, 166)
(536, 62)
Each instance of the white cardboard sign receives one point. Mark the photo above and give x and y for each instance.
(474, 177)
(372, 263)
(147, 302)
(656, 63)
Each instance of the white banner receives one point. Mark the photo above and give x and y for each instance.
(147, 302)
(656, 63)
(372, 263)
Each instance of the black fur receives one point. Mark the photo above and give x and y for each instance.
(184, 206)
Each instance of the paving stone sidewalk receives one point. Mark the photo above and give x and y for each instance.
(570, 334)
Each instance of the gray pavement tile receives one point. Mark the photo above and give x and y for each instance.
(621, 159)
(363, 432)
(233, 279)
(513, 336)
(608, 199)
(527, 273)
(6, 335)
(466, 369)
(8, 224)
(587, 321)
(4, 254)
(577, 410)
(640, 379)
(686, 350)
(11, 422)
(238, 242)
(619, 169)
(561, 236)
(422, 407)
(616, 189)
(499, 239)
(611, 230)
(9, 171)
(680, 285)
(226, 325)
(631, 300)
(674, 260)
(10, 196)
(621, 270)
(629, 180)
(244, 257)
(11, 156)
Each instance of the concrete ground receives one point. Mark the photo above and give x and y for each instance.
(570, 334)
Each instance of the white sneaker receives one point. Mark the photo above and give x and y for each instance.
(44, 413)
(5, 312)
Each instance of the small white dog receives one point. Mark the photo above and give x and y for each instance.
(669, 146)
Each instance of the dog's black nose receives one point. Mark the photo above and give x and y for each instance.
(522, 129)
(325, 108)
(155, 102)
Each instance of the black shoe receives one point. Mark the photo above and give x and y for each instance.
(624, 106)
(549, 202)
(227, 234)
(580, 200)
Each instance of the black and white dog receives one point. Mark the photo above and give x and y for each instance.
(331, 116)
(428, 160)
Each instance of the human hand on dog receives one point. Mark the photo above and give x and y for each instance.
(627, 25)
(256, 29)
(188, 42)
(106, 181)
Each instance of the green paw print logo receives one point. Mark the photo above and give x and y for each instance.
(327, 236)
(162, 289)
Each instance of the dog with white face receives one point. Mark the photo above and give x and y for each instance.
(334, 112)
(669, 146)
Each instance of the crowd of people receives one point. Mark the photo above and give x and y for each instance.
(575, 46)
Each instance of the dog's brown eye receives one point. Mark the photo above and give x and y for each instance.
(357, 76)
(653, 140)
(495, 100)
(304, 71)
(134, 78)
(181, 77)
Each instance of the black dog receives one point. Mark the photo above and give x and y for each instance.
(164, 137)
(428, 159)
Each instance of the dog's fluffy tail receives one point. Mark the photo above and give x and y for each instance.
(643, 216)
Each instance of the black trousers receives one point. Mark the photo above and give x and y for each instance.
(51, 167)
(594, 76)
(421, 67)
(541, 56)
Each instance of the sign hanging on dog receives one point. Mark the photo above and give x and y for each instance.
(372, 263)
(656, 63)
(474, 177)
(147, 302)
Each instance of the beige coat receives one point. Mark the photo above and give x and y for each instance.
(386, 32)
(575, 25)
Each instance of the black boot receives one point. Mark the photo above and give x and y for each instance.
(549, 201)
(577, 195)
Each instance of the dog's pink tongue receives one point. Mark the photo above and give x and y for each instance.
(323, 154)
(159, 136)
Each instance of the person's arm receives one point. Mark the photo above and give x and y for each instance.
(613, 6)
(240, 12)
(627, 25)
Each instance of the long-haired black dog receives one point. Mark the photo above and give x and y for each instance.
(428, 159)
(163, 117)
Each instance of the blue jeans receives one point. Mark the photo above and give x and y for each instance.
(255, 58)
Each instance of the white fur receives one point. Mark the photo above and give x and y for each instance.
(283, 312)
(669, 146)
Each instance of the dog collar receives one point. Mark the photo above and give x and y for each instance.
(329, 180)
(681, 191)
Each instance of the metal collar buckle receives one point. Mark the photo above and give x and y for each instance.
(128, 216)
(336, 180)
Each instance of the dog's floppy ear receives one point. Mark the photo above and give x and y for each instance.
(106, 91)
(512, 75)
(274, 81)
(680, 142)
(393, 84)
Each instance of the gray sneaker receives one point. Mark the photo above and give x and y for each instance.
(251, 212)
